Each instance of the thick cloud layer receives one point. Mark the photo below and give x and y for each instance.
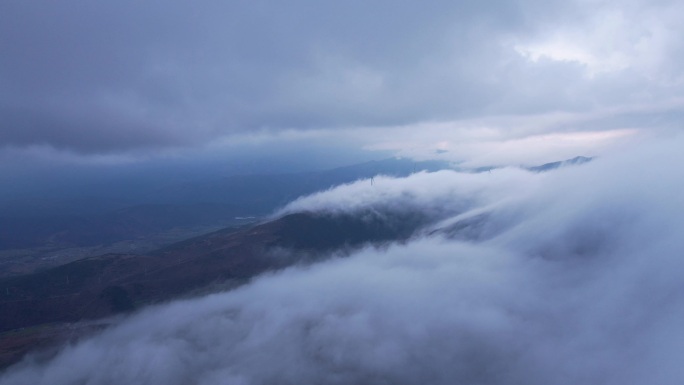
(580, 284)
(433, 192)
(113, 77)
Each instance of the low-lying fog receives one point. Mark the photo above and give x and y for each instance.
(568, 277)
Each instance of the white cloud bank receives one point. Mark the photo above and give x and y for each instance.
(581, 284)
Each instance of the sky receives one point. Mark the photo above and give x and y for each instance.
(504, 82)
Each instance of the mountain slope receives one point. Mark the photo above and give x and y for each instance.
(107, 284)
(213, 203)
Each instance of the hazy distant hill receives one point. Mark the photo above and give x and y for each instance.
(104, 285)
(131, 222)
(210, 203)
(80, 289)
(263, 193)
(100, 286)
(554, 165)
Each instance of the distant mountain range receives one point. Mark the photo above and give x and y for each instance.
(554, 165)
(105, 285)
(48, 302)
(213, 203)
(79, 289)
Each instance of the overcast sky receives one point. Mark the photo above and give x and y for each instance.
(501, 81)
(576, 275)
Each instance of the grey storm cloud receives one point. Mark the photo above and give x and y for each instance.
(110, 76)
(580, 283)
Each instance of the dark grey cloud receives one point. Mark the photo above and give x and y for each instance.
(114, 77)
(108, 77)
(579, 284)
(91, 76)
